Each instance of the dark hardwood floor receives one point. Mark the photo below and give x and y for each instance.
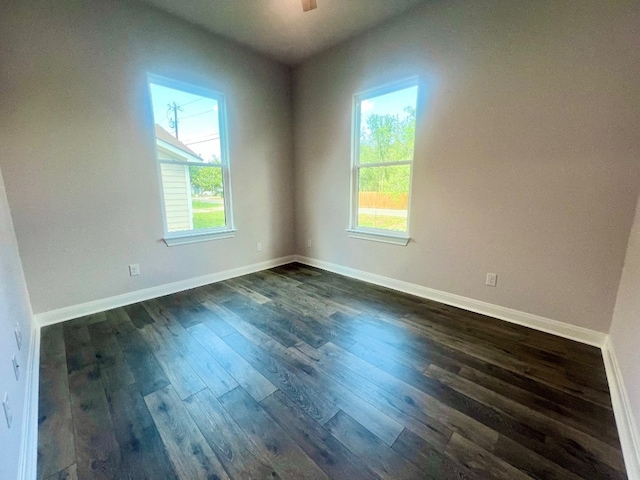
(297, 373)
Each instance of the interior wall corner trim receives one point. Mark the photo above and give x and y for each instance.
(554, 327)
(29, 444)
(627, 427)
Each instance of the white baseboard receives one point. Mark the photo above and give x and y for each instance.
(75, 311)
(561, 329)
(625, 420)
(29, 446)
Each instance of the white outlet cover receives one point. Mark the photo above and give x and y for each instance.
(8, 414)
(18, 334)
(134, 269)
(259, 247)
(16, 367)
(492, 279)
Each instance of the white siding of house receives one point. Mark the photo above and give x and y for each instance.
(177, 197)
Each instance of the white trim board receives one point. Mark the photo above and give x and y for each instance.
(29, 444)
(96, 306)
(627, 427)
(561, 329)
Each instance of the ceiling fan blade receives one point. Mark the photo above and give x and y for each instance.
(309, 5)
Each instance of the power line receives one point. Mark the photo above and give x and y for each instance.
(196, 114)
(192, 101)
(215, 137)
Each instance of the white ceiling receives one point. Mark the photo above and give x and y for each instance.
(279, 28)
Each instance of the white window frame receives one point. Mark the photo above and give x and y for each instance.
(366, 233)
(205, 234)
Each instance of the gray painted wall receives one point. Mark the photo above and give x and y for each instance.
(14, 308)
(526, 159)
(78, 147)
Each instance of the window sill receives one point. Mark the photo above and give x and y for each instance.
(379, 237)
(186, 238)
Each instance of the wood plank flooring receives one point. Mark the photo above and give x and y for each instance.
(297, 373)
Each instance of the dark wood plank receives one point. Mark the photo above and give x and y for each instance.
(306, 397)
(336, 460)
(142, 364)
(138, 315)
(481, 462)
(467, 417)
(247, 329)
(217, 379)
(303, 327)
(438, 352)
(114, 369)
(97, 451)
(592, 451)
(242, 289)
(188, 450)
(381, 349)
(536, 466)
(240, 457)
(214, 321)
(252, 380)
(430, 461)
(544, 366)
(69, 473)
(143, 455)
(261, 318)
(410, 354)
(282, 293)
(55, 423)
(196, 314)
(184, 379)
(404, 412)
(342, 397)
(507, 355)
(461, 401)
(273, 443)
(381, 458)
(78, 346)
(578, 419)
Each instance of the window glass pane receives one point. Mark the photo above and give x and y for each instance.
(383, 197)
(387, 126)
(187, 125)
(177, 196)
(193, 197)
(207, 199)
(193, 170)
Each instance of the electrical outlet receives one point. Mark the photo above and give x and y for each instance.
(309, 243)
(16, 367)
(492, 279)
(18, 334)
(258, 247)
(134, 269)
(8, 414)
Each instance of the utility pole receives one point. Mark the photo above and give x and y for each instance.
(174, 108)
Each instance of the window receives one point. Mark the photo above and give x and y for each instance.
(384, 135)
(193, 164)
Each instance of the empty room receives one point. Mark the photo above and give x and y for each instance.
(320, 239)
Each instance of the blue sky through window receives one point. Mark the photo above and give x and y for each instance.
(392, 103)
(198, 125)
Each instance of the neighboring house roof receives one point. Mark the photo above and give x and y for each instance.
(167, 141)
